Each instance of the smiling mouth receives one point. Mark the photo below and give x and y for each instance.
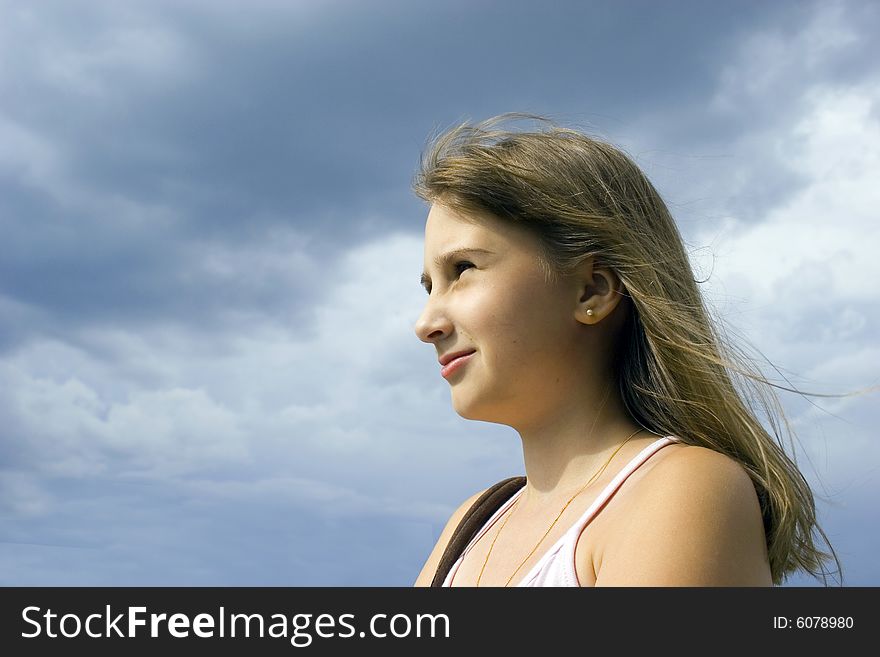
(455, 364)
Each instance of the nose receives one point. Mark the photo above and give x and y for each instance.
(433, 324)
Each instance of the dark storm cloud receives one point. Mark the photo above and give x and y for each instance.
(308, 116)
(206, 122)
(228, 121)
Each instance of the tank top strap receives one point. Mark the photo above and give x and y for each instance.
(491, 521)
(569, 539)
(617, 482)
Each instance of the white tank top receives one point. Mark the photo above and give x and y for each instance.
(557, 566)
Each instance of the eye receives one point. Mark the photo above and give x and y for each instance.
(460, 267)
(460, 264)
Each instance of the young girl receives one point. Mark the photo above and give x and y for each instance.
(561, 303)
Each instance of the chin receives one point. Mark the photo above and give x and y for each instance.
(471, 410)
(465, 407)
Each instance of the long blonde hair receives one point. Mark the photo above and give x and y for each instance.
(677, 374)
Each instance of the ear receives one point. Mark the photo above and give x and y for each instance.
(599, 290)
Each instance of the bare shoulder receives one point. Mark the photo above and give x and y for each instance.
(695, 521)
(426, 576)
(688, 467)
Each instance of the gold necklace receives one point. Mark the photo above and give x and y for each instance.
(553, 524)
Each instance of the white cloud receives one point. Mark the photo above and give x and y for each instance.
(27, 156)
(22, 494)
(72, 431)
(96, 50)
(772, 60)
(797, 277)
(813, 257)
(352, 401)
(334, 499)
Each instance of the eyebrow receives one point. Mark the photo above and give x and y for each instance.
(445, 258)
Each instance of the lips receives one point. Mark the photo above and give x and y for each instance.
(445, 359)
(455, 362)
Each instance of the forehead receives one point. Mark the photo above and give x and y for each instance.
(447, 229)
(448, 232)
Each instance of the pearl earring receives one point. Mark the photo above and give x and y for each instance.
(590, 312)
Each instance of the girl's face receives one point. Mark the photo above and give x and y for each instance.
(487, 295)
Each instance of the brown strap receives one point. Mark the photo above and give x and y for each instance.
(472, 521)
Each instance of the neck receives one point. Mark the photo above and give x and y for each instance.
(570, 445)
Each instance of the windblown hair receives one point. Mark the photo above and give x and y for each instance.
(677, 372)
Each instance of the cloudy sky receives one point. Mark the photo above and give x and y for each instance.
(210, 259)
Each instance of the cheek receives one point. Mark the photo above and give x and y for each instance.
(519, 317)
(489, 323)
(511, 328)
(537, 333)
